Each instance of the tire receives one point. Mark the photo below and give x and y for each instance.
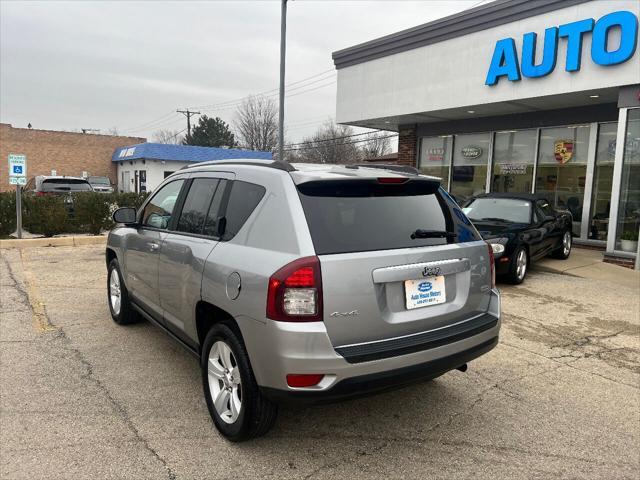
(122, 313)
(518, 267)
(563, 252)
(242, 413)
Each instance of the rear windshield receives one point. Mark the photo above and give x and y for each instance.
(65, 185)
(378, 217)
(99, 180)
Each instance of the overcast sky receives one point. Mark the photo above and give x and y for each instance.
(129, 65)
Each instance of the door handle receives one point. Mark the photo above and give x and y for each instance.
(153, 246)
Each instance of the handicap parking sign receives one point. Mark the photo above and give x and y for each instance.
(17, 169)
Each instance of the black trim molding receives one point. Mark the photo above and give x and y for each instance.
(394, 347)
(498, 12)
(606, 112)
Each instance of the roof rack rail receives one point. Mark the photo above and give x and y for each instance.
(277, 164)
(393, 168)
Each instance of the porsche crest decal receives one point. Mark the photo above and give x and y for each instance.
(563, 150)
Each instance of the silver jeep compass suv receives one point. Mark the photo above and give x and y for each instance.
(295, 282)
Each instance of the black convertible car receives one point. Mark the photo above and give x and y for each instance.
(521, 227)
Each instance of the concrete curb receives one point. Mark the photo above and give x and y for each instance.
(72, 241)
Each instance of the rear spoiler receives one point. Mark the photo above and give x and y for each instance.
(368, 187)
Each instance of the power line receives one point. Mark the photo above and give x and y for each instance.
(343, 143)
(332, 139)
(266, 92)
(148, 124)
(237, 104)
(297, 85)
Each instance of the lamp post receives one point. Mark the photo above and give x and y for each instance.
(283, 45)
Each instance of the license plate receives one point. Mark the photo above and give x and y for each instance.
(424, 292)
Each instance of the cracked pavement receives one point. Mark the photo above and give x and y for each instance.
(81, 397)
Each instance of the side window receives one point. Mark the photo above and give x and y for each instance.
(196, 205)
(213, 216)
(537, 216)
(243, 200)
(157, 213)
(545, 208)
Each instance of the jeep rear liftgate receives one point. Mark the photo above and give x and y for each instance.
(393, 263)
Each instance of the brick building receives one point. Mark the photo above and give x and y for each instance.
(67, 153)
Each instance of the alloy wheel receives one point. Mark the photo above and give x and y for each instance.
(521, 264)
(115, 294)
(225, 384)
(566, 243)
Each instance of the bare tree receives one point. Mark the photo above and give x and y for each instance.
(112, 131)
(330, 144)
(171, 137)
(376, 145)
(257, 123)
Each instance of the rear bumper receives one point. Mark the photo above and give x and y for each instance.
(363, 385)
(280, 348)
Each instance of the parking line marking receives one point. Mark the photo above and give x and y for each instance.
(40, 320)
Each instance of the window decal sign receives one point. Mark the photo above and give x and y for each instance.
(563, 150)
(470, 152)
(504, 62)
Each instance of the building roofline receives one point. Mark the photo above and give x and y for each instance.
(498, 12)
(66, 132)
(182, 153)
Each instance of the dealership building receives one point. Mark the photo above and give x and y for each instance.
(515, 96)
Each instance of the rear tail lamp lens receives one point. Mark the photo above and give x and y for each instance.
(492, 261)
(304, 380)
(295, 292)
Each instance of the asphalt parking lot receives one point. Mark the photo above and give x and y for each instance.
(81, 397)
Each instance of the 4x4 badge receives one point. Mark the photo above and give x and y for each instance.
(431, 271)
(345, 314)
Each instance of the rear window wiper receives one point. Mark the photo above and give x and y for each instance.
(432, 234)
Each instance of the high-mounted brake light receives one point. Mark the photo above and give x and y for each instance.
(492, 261)
(392, 180)
(295, 292)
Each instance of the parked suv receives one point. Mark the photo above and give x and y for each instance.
(63, 186)
(296, 282)
(101, 184)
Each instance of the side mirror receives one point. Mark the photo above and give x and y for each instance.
(126, 215)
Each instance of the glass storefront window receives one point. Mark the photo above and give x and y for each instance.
(513, 158)
(470, 156)
(602, 181)
(434, 157)
(629, 206)
(562, 168)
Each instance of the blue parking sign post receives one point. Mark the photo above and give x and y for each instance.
(18, 177)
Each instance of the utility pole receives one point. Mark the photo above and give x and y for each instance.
(283, 46)
(188, 114)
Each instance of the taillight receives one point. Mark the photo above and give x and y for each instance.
(295, 292)
(492, 261)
